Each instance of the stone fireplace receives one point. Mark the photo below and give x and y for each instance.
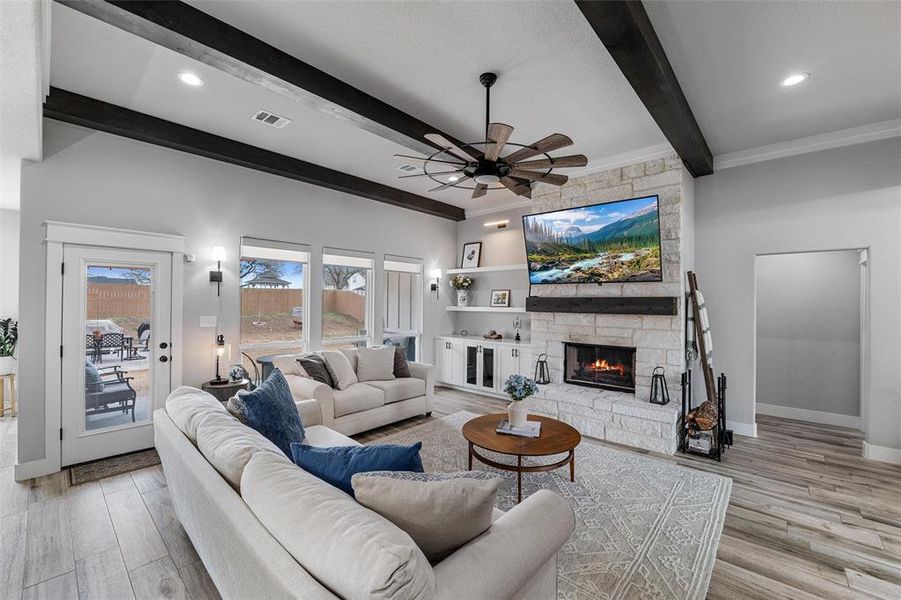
(596, 399)
(599, 366)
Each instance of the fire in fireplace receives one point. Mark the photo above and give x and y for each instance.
(607, 367)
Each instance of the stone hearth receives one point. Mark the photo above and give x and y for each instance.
(624, 418)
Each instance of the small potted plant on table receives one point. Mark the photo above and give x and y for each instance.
(519, 388)
(461, 283)
(9, 336)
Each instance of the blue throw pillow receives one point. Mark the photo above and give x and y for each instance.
(92, 381)
(270, 409)
(338, 464)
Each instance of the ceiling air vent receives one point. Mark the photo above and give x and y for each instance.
(409, 168)
(269, 118)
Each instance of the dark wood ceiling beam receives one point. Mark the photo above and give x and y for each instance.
(69, 107)
(195, 34)
(626, 31)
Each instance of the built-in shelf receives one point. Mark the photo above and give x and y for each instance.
(487, 309)
(521, 267)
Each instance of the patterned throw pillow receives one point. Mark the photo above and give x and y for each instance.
(236, 407)
(401, 366)
(440, 511)
(270, 409)
(336, 465)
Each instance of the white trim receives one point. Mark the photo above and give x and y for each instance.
(53, 339)
(739, 428)
(812, 416)
(489, 210)
(813, 143)
(494, 269)
(35, 468)
(111, 237)
(882, 453)
(176, 319)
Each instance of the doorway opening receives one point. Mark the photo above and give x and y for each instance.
(811, 328)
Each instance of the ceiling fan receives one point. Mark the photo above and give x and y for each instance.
(478, 166)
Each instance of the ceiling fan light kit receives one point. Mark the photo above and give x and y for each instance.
(478, 166)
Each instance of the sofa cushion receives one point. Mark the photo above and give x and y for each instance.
(336, 465)
(356, 398)
(314, 366)
(289, 365)
(440, 511)
(228, 445)
(270, 409)
(351, 354)
(93, 383)
(396, 390)
(188, 406)
(323, 437)
(375, 364)
(347, 547)
(339, 368)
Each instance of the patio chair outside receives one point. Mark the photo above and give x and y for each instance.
(113, 343)
(108, 389)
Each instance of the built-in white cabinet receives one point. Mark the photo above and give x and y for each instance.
(480, 365)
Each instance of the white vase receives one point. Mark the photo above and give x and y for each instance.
(7, 365)
(517, 413)
(462, 297)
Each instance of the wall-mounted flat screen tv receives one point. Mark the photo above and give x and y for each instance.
(601, 243)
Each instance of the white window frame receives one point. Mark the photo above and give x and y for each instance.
(399, 264)
(349, 258)
(283, 251)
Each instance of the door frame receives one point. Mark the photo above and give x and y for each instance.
(57, 235)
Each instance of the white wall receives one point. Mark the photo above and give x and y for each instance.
(99, 179)
(808, 331)
(840, 198)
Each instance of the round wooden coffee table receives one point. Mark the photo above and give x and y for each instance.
(556, 438)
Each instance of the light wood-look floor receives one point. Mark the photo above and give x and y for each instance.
(808, 518)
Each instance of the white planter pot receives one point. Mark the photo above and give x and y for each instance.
(7, 365)
(462, 297)
(517, 413)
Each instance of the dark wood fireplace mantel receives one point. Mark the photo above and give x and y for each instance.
(616, 305)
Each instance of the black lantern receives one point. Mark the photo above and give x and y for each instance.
(659, 393)
(542, 376)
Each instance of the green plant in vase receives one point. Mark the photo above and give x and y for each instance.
(462, 283)
(9, 337)
(519, 387)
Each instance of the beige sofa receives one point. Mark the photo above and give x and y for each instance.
(266, 529)
(366, 405)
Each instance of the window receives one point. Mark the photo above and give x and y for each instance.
(274, 278)
(402, 317)
(346, 299)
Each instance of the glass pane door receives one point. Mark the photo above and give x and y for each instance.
(488, 367)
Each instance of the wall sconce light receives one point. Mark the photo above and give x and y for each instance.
(499, 224)
(436, 275)
(221, 352)
(216, 276)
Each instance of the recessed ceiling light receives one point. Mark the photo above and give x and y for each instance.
(795, 79)
(192, 79)
(453, 178)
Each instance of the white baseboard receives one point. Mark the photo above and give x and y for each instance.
(812, 416)
(882, 453)
(35, 468)
(739, 428)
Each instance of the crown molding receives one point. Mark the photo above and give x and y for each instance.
(625, 159)
(813, 143)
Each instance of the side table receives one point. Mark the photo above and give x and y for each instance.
(223, 392)
(11, 379)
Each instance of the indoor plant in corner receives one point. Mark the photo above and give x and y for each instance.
(462, 283)
(519, 388)
(9, 336)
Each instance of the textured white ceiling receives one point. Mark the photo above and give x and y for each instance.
(424, 58)
(729, 58)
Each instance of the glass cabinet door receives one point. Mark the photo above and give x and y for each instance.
(488, 367)
(472, 365)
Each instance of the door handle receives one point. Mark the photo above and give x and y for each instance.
(164, 359)
(164, 345)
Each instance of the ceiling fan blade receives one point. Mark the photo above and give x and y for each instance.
(430, 174)
(498, 133)
(440, 140)
(481, 190)
(444, 186)
(424, 160)
(517, 186)
(575, 160)
(555, 141)
(551, 178)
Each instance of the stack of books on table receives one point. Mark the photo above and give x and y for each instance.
(532, 429)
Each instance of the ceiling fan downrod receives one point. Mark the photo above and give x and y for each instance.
(487, 80)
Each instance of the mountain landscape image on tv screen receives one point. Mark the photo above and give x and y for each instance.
(612, 242)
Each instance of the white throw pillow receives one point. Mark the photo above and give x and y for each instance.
(228, 445)
(188, 406)
(288, 365)
(440, 511)
(339, 368)
(375, 364)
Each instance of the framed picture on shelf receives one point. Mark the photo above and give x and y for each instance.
(500, 298)
(472, 255)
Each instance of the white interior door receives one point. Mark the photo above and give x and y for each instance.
(116, 349)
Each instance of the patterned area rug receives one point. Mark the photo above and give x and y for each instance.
(107, 467)
(645, 528)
